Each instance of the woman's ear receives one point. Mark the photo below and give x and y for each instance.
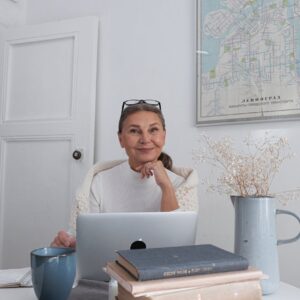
(120, 140)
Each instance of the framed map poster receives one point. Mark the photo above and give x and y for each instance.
(248, 60)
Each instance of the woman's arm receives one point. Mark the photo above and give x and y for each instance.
(168, 201)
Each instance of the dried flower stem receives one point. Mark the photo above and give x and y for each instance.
(247, 173)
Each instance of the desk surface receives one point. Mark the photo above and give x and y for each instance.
(286, 292)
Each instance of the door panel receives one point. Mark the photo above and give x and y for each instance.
(40, 95)
(47, 107)
(30, 214)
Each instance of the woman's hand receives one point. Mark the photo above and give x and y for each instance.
(156, 169)
(64, 239)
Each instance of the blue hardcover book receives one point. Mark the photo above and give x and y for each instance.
(158, 263)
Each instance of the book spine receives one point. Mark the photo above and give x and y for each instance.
(186, 270)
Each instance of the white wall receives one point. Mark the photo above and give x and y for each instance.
(147, 50)
(12, 12)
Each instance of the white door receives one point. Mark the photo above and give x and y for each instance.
(47, 108)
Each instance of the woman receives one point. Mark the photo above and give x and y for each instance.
(146, 181)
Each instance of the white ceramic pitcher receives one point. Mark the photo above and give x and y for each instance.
(255, 236)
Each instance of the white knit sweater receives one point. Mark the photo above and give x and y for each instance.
(186, 192)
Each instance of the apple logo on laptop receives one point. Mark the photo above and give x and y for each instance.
(139, 244)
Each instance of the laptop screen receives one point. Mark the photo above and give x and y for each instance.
(100, 235)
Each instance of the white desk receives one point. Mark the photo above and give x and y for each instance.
(286, 292)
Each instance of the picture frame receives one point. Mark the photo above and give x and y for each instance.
(248, 62)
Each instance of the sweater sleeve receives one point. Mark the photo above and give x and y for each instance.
(187, 192)
(84, 201)
(84, 204)
(187, 198)
(80, 206)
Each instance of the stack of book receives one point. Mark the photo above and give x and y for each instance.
(195, 272)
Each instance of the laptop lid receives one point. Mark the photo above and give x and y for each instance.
(100, 235)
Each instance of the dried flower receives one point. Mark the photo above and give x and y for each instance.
(248, 171)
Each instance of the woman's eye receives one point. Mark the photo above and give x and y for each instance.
(154, 129)
(134, 131)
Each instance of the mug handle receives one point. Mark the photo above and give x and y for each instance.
(294, 239)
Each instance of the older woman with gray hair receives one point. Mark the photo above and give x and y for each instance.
(146, 181)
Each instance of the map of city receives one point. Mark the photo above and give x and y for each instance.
(249, 59)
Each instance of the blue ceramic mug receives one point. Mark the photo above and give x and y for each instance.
(53, 272)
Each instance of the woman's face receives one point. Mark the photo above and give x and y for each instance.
(143, 137)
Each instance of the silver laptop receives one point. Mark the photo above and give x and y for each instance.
(100, 235)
